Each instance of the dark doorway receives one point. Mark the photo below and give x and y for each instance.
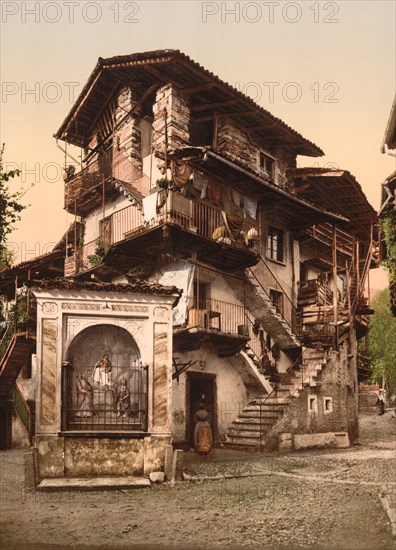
(201, 388)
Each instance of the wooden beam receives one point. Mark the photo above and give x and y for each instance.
(216, 105)
(199, 88)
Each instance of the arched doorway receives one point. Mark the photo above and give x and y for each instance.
(104, 381)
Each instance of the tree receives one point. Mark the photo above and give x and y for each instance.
(10, 209)
(379, 344)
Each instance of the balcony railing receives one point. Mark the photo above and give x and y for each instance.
(217, 315)
(172, 208)
(89, 179)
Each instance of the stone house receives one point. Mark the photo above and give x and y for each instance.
(185, 183)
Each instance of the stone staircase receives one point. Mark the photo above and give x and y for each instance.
(16, 354)
(260, 415)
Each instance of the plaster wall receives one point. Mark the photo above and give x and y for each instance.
(337, 382)
(239, 145)
(92, 221)
(232, 394)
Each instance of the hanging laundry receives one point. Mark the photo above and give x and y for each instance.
(236, 198)
(161, 199)
(200, 183)
(181, 275)
(149, 207)
(181, 172)
(250, 207)
(215, 192)
(233, 225)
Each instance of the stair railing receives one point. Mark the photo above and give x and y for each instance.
(293, 329)
(6, 338)
(21, 407)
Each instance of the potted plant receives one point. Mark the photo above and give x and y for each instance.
(69, 172)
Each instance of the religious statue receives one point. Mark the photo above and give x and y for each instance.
(84, 397)
(123, 399)
(102, 372)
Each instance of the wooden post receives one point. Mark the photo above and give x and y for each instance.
(103, 206)
(335, 288)
(166, 141)
(348, 288)
(215, 129)
(27, 308)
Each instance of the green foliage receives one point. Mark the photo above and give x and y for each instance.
(379, 344)
(10, 206)
(388, 226)
(100, 252)
(163, 183)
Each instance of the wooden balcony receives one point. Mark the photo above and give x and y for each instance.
(84, 191)
(215, 322)
(320, 325)
(179, 226)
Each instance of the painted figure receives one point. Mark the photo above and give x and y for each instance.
(202, 432)
(102, 372)
(123, 399)
(84, 397)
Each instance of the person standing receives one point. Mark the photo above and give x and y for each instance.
(203, 438)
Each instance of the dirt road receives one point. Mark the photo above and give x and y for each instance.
(315, 500)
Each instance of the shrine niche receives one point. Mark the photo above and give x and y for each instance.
(104, 382)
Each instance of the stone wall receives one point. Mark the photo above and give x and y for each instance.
(337, 383)
(178, 119)
(239, 146)
(127, 141)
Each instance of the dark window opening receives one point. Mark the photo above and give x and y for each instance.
(267, 165)
(201, 295)
(277, 300)
(201, 133)
(275, 244)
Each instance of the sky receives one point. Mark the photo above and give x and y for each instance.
(327, 69)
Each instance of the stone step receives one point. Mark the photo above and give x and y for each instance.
(254, 420)
(240, 445)
(246, 438)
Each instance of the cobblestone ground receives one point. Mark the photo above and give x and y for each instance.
(316, 500)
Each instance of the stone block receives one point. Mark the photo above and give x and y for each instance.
(157, 477)
(31, 472)
(285, 443)
(178, 465)
(317, 440)
(50, 454)
(342, 440)
(168, 462)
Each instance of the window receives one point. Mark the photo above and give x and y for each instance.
(267, 166)
(201, 295)
(328, 405)
(275, 244)
(277, 300)
(312, 404)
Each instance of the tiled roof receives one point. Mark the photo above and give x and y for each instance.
(144, 287)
